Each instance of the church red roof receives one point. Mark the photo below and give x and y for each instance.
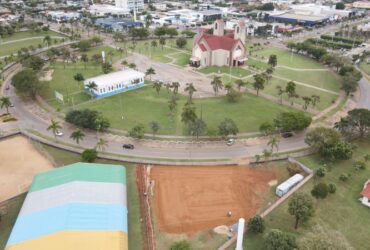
(202, 47)
(219, 42)
(366, 191)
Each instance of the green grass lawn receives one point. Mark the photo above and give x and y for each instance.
(326, 99)
(10, 210)
(322, 79)
(144, 105)
(341, 212)
(134, 227)
(29, 34)
(365, 67)
(235, 71)
(257, 64)
(182, 59)
(286, 58)
(7, 49)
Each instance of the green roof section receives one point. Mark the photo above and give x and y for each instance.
(89, 172)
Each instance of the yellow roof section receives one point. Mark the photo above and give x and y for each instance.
(76, 239)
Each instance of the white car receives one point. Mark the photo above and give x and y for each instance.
(230, 142)
(59, 133)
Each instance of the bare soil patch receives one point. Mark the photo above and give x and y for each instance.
(20, 161)
(190, 199)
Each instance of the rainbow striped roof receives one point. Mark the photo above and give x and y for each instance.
(79, 206)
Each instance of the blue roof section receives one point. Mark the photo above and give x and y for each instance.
(73, 216)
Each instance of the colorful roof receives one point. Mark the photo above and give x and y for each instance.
(82, 205)
(366, 191)
(219, 42)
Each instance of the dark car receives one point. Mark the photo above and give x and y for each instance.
(128, 146)
(286, 134)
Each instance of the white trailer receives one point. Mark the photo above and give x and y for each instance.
(287, 185)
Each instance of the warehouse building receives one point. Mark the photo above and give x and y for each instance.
(80, 206)
(114, 83)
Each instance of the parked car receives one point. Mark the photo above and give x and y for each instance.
(286, 134)
(128, 146)
(59, 133)
(230, 142)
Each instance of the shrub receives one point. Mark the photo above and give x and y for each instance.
(359, 165)
(320, 191)
(277, 239)
(332, 188)
(87, 118)
(181, 245)
(321, 172)
(256, 224)
(10, 119)
(344, 177)
(366, 157)
(293, 169)
(137, 131)
(89, 155)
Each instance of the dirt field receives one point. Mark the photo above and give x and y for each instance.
(20, 161)
(190, 199)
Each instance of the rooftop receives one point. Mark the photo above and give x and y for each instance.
(115, 77)
(366, 191)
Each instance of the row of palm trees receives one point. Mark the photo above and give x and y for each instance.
(77, 135)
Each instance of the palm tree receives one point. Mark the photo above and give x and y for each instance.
(217, 84)
(274, 143)
(85, 59)
(240, 83)
(228, 86)
(47, 40)
(175, 86)
(5, 102)
(77, 135)
(190, 89)
(157, 85)
(149, 72)
(101, 144)
(280, 93)
(314, 100)
(154, 127)
(91, 86)
(54, 127)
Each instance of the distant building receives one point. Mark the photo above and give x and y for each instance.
(361, 5)
(117, 24)
(222, 48)
(80, 206)
(131, 5)
(365, 199)
(116, 82)
(105, 10)
(60, 16)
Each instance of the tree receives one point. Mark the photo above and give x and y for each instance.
(216, 84)
(267, 128)
(306, 101)
(33, 62)
(54, 127)
(101, 144)
(181, 42)
(84, 45)
(137, 131)
(188, 114)
(5, 102)
(154, 43)
(91, 87)
(320, 191)
(356, 123)
(267, 7)
(26, 83)
(197, 128)
(175, 86)
(77, 135)
(181, 245)
(301, 207)
(47, 40)
(190, 89)
(256, 224)
(290, 89)
(233, 95)
(106, 67)
(154, 127)
(157, 85)
(349, 84)
(87, 118)
(320, 172)
(85, 59)
(332, 188)
(149, 72)
(162, 42)
(292, 121)
(240, 83)
(259, 83)
(279, 240)
(227, 127)
(274, 143)
(272, 61)
(281, 91)
(340, 6)
(78, 77)
(89, 155)
(314, 100)
(66, 54)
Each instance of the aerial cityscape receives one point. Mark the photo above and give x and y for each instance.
(184, 125)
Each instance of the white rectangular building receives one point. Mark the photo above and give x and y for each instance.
(131, 5)
(114, 83)
(287, 185)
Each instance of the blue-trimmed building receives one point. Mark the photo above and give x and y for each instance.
(114, 83)
(292, 18)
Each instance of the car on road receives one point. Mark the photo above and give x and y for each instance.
(59, 133)
(230, 142)
(286, 134)
(128, 146)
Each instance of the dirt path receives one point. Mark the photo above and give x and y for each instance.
(20, 161)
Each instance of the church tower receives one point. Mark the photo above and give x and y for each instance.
(219, 27)
(239, 31)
